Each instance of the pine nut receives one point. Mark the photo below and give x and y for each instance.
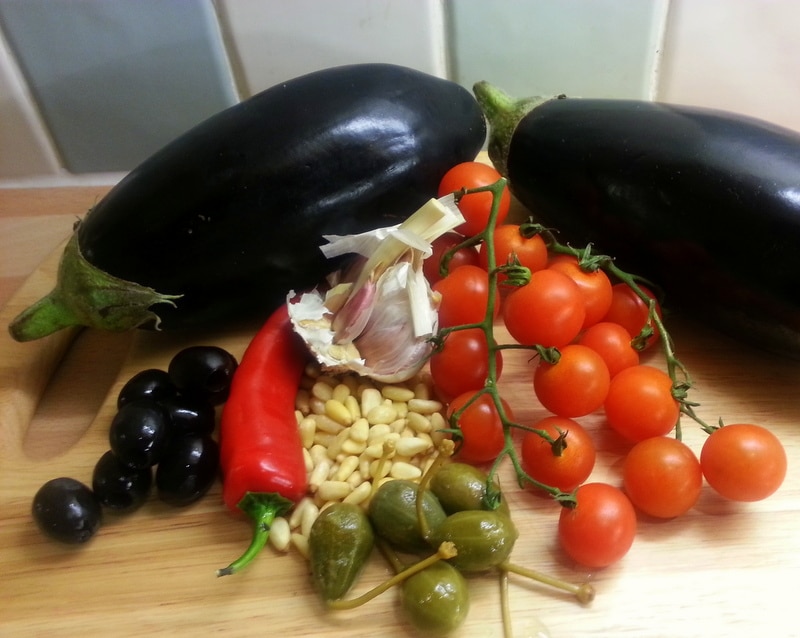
(280, 534)
(360, 430)
(425, 406)
(411, 446)
(383, 413)
(397, 393)
(308, 428)
(418, 422)
(353, 406)
(359, 494)
(370, 399)
(346, 468)
(322, 390)
(310, 513)
(403, 470)
(334, 490)
(300, 543)
(337, 411)
(340, 392)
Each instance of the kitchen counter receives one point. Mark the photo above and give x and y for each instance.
(724, 569)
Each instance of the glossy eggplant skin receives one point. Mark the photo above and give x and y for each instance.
(704, 203)
(230, 215)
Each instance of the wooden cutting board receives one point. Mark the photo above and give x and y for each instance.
(724, 569)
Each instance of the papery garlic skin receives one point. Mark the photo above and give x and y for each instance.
(379, 321)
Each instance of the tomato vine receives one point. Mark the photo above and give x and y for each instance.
(516, 275)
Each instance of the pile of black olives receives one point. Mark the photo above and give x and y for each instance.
(435, 599)
(162, 434)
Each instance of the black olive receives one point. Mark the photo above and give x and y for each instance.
(119, 486)
(188, 469)
(203, 372)
(147, 384)
(189, 415)
(139, 433)
(67, 510)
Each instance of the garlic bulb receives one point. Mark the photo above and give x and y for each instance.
(377, 316)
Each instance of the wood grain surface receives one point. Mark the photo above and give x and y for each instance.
(724, 569)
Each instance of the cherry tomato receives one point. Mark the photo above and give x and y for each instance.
(465, 296)
(662, 477)
(575, 385)
(530, 252)
(476, 207)
(628, 310)
(564, 466)
(482, 433)
(440, 246)
(640, 404)
(743, 462)
(463, 363)
(595, 287)
(547, 311)
(601, 528)
(612, 342)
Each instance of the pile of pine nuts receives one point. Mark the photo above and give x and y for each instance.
(356, 434)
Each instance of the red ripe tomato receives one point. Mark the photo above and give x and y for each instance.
(440, 246)
(601, 528)
(743, 462)
(575, 385)
(463, 363)
(476, 207)
(628, 310)
(482, 432)
(547, 311)
(612, 342)
(662, 477)
(568, 464)
(594, 286)
(640, 404)
(530, 252)
(465, 296)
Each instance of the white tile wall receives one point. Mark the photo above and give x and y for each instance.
(742, 55)
(734, 54)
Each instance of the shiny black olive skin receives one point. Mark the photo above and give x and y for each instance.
(67, 510)
(139, 433)
(148, 384)
(203, 372)
(188, 469)
(189, 415)
(119, 486)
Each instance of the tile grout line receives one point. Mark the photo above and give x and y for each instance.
(654, 84)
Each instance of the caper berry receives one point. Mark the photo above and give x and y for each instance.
(484, 539)
(460, 486)
(339, 544)
(393, 513)
(436, 600)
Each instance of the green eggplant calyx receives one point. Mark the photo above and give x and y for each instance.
(84, 295)
(503, 113)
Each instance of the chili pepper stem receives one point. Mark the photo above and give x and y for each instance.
(262, 510)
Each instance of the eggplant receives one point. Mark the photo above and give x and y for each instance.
(225, 220)
(704, 203)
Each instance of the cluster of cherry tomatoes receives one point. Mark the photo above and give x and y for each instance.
(589, 331)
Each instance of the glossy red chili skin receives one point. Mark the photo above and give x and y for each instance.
(260, 447)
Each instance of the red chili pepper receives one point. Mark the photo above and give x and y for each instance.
(261, 455)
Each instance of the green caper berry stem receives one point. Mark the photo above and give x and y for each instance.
(446, 551)
(505, 607)
(583, 592)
